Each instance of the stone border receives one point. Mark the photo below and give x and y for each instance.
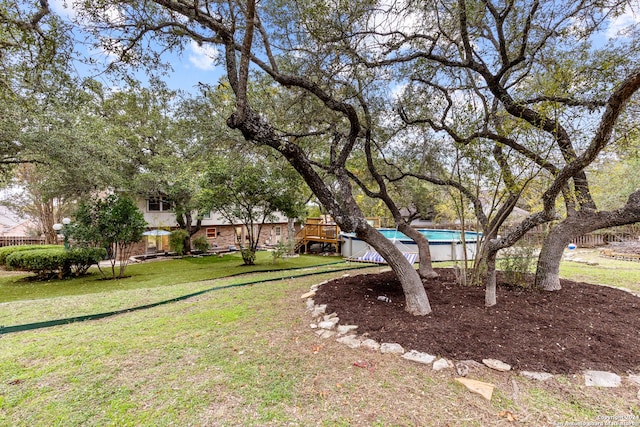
(621, 256)
(328, 326)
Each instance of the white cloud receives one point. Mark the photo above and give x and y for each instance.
(64, 9)
(398, 90)
(203, 57)
(72, 11)
(396, 15)
(630, 17)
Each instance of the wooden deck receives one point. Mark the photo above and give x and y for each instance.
(322, 231)
(316, 232)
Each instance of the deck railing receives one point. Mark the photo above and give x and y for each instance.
(20, 240)
(318, 232)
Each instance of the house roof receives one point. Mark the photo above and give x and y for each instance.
(23, 229)
(8, 219)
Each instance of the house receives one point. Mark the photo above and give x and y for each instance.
(17, 231)
(219, 233)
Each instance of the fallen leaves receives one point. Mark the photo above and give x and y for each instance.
(508, 415)
(364, 364)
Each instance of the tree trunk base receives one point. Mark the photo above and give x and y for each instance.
(490, 298)
(430, 274)
(550, 282)
(417, 308)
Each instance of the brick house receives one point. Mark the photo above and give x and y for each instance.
(218, 231)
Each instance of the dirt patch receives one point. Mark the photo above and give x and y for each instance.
(580, 327)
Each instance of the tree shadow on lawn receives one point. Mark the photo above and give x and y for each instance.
(580, 327)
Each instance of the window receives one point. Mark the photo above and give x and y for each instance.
(211, 233)
(158, 204)
(278, 231)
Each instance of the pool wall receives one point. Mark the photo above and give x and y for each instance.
(444, 245)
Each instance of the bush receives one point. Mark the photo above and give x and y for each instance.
(115, 223)
(176, 241)
(517, 263)
(280, 251)
(55, 261)
(80, 259)
(248, 256)
(8, 250)
(200, 243)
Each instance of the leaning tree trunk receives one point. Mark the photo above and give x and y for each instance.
(425, 268)
(346, 213)
(484, 271)
(548, 267)
(416, 299)
(584, 221)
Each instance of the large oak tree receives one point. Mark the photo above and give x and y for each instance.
(546, 94)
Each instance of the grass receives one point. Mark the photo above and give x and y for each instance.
(16, 287)
(246, 356)
(78, 298)
(606, 271)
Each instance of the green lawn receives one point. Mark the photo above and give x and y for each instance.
(150, 275)
(246, 356)
(149, 283)
(604, 271)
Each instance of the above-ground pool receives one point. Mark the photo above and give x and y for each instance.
(444, 245)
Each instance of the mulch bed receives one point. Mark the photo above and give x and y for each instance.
(580, 327)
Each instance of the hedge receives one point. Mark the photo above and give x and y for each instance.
(8, 250)
(55, 261)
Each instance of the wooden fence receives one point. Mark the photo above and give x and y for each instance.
(624, 233)
(536, 236)
(19, 240)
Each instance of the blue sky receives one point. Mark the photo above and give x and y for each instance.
(196, 64)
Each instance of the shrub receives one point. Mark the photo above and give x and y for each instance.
(248, 256)
(517, 263)
(280, 251)
(200, 243)
(43, 262)
(177, 240)
(8, 250)
(55, 261)
(80, 259)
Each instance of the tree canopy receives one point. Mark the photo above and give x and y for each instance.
(251, 191)
(114, 223)
(492, 100)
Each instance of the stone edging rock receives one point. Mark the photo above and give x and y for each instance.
(328, 326)
(622, 256)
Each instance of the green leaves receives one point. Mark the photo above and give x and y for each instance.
(251, 190)
(50, 261)
(114, 223)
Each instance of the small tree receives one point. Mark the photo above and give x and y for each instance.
(114, 223)
(248, 193)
